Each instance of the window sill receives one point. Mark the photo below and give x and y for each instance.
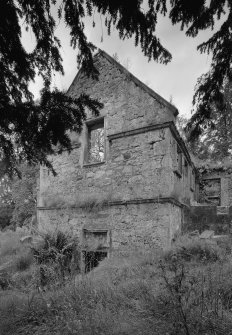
(178, 173)
(93, 164)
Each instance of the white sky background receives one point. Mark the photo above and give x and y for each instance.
(176, 80)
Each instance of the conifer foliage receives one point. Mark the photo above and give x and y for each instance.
(34, 129)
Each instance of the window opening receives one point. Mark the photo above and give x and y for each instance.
(96, 247)
(179, 160)
(192, 181)
(96, 142)
(210, 191)
(186, 168)
(93, 258)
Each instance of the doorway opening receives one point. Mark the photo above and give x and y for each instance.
(92, 259)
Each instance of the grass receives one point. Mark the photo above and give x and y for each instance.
(87, 202)
(16, 260)
(133, 292)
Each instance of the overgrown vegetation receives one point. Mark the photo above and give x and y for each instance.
(87, 202)
(18, 197)
(26, 266)
(185, 290)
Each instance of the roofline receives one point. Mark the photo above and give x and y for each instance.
(139, 82)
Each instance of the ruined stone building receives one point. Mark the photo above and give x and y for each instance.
(129, 174)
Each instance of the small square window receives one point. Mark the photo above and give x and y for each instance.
(186, 168)
(179, 160)
(96, 142)
(192, 181)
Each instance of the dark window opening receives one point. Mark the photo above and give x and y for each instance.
(192, 181)
(93, 258)
(179, 160)
(186, 168)
(96, 142)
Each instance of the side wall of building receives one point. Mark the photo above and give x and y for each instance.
(130, 225)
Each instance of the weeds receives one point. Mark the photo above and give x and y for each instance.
(195, 249)
(54, 257)
(86, 202)
(130, 293)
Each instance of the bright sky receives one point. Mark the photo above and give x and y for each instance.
(176, 80)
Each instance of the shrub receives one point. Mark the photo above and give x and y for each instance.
(192, 300)
(55, 254)
(5, 280)
(24, 261)
(24, 280)
(195, 249)
(5, 216)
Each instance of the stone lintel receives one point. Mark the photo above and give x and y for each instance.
(139, 130)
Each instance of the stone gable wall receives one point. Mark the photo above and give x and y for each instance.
(140, 159)
(126, 105)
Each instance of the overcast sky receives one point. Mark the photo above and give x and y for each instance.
(176, 80)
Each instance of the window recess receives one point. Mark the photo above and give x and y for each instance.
(95, 148)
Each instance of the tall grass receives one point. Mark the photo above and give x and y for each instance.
(133, 292)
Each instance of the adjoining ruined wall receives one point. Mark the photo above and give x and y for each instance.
(208, 218)
(184, 188)
(216, 188)
(139, 225)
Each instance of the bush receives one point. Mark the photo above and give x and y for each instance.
(195, 249)
(5, 216)
(54, 255)
(24, 261)
(5, 280)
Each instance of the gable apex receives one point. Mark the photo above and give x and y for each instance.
(138, 82)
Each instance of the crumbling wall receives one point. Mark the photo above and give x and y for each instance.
(139, 225)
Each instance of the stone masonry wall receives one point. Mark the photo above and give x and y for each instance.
(139, 165)
(126, 105)
(223, 187)
(139, 225)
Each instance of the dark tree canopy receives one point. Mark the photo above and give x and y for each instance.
(31, 131)
(216, 142)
